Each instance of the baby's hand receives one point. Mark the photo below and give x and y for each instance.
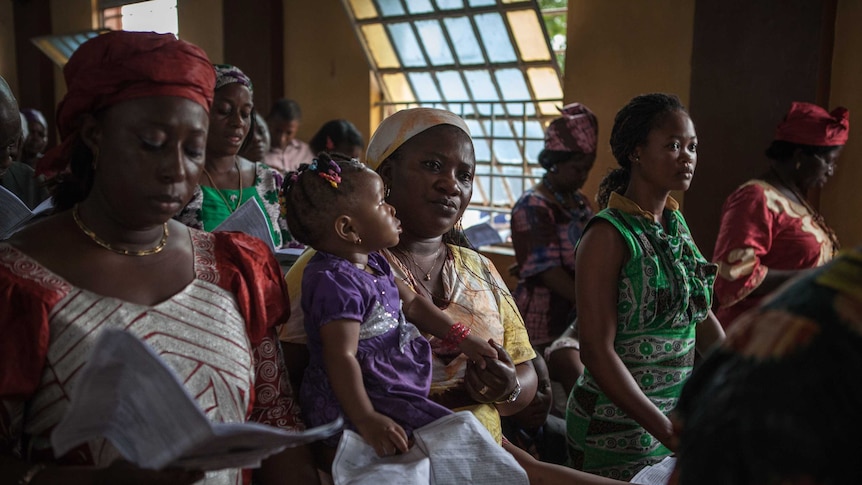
(477, 349)
(383, 434)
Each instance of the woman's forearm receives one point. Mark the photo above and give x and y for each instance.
(558, 280)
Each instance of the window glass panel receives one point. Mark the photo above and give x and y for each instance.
(419, 6)
(481, 86)
(495, 37)
(450, 4)
(507, 151)
(390, 8)
(381, 50)
(363, 9)
(463, 38)
(151, 16)
(533, 147)
(482, 3)
(514, 87)
(452, 86)
(546, 85)
(424, 86)
(514, 1)
(529, 35)
(435, 43)
(398, 87)
(405, 42)
(498, 128)
(483, 150)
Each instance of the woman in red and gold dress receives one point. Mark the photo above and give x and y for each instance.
(769, 232)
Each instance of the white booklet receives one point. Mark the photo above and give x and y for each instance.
(250, 219)
(657, 474)
(14, 213)
(452, 449)
(128, 395)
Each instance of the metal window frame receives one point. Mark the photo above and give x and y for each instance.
(529, 170)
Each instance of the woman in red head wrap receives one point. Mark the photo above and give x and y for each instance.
(134, 131)
(769, 232)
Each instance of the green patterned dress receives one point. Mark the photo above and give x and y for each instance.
(665, 289)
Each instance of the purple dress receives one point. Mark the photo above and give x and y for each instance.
(395, 359)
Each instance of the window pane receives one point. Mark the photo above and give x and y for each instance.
(483, 150)
(419, 6)
(546, 85)
(529, 35)
(463, 38)
(533, 147)
(481, 86)
(405, 42)
(482, 3)
(398, 88)
(452, 86)
(424, 86)
(363, 9)
(378, 44)
(152, 16)
(514, 87)
(390, 8)
(450, 4)
(507, 151)
(498, 129)
(435, 43)
(495, 37)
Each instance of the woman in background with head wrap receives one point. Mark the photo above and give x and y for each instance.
(769, 232)
(547, 222)
(134, 131)
(228, 179)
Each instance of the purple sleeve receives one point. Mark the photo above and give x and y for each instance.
(329, 294)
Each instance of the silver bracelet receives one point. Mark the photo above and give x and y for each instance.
(30, 474)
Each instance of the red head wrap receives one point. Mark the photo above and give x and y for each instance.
(119, 66)
(809, 124)
(576, 131)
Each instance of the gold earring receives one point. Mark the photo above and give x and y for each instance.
(358, 241)
(798, 164)
(95, 162)
(386, 192)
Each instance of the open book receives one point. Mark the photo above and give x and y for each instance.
(250, 219)
(14, 213)
(128, 395)
(452, 449)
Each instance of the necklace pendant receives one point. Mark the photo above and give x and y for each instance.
(427, 277)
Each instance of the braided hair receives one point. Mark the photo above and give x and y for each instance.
(318, 192)
(632, 126)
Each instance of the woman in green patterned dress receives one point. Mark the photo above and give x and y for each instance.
(644, 292)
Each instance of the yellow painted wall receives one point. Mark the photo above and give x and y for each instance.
(8, 66)
(841, 199)
(70, 16)
(325, 69)
(201, 23)
(619, 49)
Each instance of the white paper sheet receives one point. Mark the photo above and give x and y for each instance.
(128, 395)
(452, 449)
(657, 474)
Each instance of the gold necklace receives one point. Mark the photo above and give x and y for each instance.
(125, 252)
(219, 192)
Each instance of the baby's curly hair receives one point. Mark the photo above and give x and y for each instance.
(317, 193)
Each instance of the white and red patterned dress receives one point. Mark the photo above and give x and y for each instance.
(217, 334)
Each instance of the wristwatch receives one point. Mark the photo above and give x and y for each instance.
(514, 395)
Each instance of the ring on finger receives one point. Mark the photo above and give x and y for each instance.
(483, 390)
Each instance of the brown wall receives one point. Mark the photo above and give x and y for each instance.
(200, 22)
(324, 66)
(752, 59)
(8, 66)
(617, 50)
(841, 198)
(254, 41)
